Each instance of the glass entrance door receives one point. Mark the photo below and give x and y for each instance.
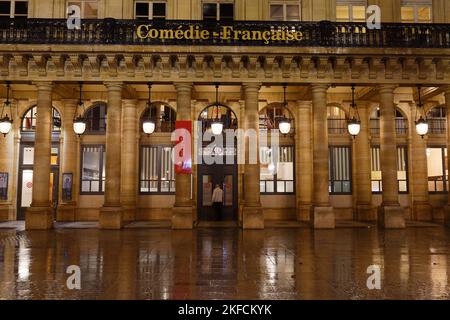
(26, 178)
(226, 177)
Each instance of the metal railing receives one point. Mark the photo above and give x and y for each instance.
(401, 126)
(437, 126)
(337, 126)
(263, 33)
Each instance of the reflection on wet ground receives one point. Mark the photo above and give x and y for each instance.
(226, 264)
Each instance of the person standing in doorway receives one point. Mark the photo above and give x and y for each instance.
(217, 200)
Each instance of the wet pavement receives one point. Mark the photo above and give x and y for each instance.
(226, 263)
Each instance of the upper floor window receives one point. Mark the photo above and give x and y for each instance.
(96, 118)
(218, 10)
(29, 120)
(351, 10)
(437, 120)
(148, 10)
(416, 11)
(284, 10)
(163, 115)
(337, 120)
(89, 8)
(14, 8)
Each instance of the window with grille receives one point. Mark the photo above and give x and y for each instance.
(340, 174)
(157, 174)
(277, 176)
(92, 169)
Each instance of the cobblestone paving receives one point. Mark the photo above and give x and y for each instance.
(226, 263)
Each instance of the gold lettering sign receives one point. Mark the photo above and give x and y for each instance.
(226, 33)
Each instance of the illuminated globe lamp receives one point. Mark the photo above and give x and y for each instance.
(422, 127)
(354, 123)
(5, 120)
(354, 127)
(148, 126)
(284, 125)
(217, 127)
(79, 125)
(5, 125)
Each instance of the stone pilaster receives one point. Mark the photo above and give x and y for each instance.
(40, 215)
(182, 212)
(304, 169)
(252, 215)
(7, 207)
(322, 214)
(129, 159)
(390, 213)
(365, 211)
(447, 106)
(111, 214)
(422, 210)
(67, 208)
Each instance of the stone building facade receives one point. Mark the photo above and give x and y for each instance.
(115, 174)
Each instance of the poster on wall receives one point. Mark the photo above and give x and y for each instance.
(67, 181)
(182, 150)
(3, 186)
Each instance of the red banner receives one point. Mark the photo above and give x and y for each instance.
(182, 151)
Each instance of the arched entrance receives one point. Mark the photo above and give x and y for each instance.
(223, 171)
(26, 160)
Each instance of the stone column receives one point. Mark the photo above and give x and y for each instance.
(67, 208)
(252, 215)
(447, 105)
(390, 213)
(322, 214)
(111, 212)
(422, 210)
(182, 214)
(129, 159)
(304, 168)
(365, 211)
(40, 215)
(7, 208)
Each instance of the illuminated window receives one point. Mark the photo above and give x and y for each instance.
(437, 169)
(157, 174)
(416, 11)
(148, 10)
(14, 8)
(277, 176)
(163, 115)
(402, 170)
(89, 8)
(92, 169)
(285, 11)
(29, 120)
(351, 10)
(218, 10)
